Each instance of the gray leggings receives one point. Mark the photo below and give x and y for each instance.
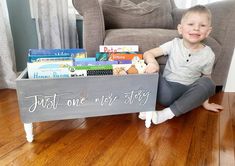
(183, 98)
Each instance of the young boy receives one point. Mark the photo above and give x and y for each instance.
(185, 83)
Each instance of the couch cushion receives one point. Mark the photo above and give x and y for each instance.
(150, 38)
(136, 14)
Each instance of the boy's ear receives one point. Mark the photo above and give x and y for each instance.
(179, 27)
(209, 31)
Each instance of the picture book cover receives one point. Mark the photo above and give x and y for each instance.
(49, 69)
(49, 73)
(102, 56)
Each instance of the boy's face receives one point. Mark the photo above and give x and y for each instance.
(194, 27)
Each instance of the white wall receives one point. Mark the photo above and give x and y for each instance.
(230, 83)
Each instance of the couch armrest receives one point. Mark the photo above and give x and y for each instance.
(93, 24)
(223, 31)
(223, 22)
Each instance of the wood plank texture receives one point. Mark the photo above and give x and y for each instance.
(197, 138)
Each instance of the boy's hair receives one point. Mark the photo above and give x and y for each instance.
(198, 9)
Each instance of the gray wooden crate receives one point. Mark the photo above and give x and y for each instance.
(69, 98)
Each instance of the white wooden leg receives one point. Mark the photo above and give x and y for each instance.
(28, 127)
(148, 119)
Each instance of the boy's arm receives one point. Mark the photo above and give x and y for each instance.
(211, 106)
(149, 58)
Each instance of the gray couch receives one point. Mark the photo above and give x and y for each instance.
(149, 23)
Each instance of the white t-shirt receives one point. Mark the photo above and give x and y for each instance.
(183, 66)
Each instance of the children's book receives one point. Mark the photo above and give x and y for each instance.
(54, 51)
(102, 56)
(99, 67)
(90, 59)
(49, 69)
(119, 48)
(90, 70)
(125, 56)
(122, 58)
(78, 53)
(94, 63)
(124, 61)
(49, 58)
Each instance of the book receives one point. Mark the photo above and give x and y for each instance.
(90, 70)
(124, 61)
(102, 56)
(49, 58)
(125, 56)
(49, 69)
(81, 55)
(35, 54)
(99, 67)
(119, 48)
(55, 52)
(49, 73)
(90, 59)
(121, 58)
(94, 63)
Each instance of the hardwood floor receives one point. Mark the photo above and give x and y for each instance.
(198, 138)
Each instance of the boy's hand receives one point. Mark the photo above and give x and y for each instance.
(152, 67)
(212, 106)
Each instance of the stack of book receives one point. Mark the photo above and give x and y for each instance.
(52, 63)
(129, 59)
(61, 63)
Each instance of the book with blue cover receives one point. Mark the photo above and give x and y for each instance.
(55, 52)
(35, 55)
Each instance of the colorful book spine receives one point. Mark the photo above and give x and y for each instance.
(94, 63)
(121, 58)
(100, 67)
(90, 59)
(91, 70)
(63, 57)
(124, 61)
(55, 51)
(125, 56)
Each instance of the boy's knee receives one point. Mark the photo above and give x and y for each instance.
(208, 85)
(165, 100)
